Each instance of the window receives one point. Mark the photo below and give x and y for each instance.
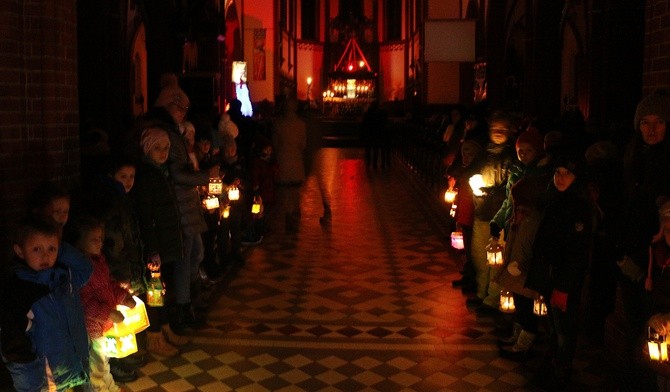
(309, 17)
(393, 17)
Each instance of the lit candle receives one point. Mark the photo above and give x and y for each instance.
(507, 302)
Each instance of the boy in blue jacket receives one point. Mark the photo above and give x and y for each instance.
(42, 332)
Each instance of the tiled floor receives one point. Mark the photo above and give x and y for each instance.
(366, 306)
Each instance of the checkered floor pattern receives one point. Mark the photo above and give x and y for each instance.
(364, 306)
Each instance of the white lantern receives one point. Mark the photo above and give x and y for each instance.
(507, 302)
(457, 240)
(233, 193)
(211, 202)
(494, 253)
(539, 307)
(657, 345)
(477, 183)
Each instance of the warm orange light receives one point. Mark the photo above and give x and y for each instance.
(351, 67)
(507, 302)
(233, 193)
(309, 80)
(211, 202)
(450, 196)
(215, 186)
(361, 63)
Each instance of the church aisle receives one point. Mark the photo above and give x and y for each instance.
(365, 306)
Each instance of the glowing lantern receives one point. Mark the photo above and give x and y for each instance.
(452, 211)
(120, 346)
(135, 320)
(539, 307)
(658, 347)
(211, 202)
(155, 288)
(494, 253)
(507, 302)
(457, 240)
(233, 193)
(450, 196)
(256, 207)
(215, 186)
(225, 213)
(477, 183)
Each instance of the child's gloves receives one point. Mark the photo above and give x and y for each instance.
(559, 300)
(513, 269)
(630, 269)
(116, 316)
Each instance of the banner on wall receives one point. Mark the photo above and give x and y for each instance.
(259, 54)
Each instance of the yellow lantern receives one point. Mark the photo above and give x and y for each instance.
(120, 346)
(155, 289)
(457, 240)
(211, 202)
(658, 347)
(225, 213)
(135, 320)
(256, 207)
(494, 253)
(507, 302)
(233, 193)
(215, 186)
(450, 196)
(539, 307)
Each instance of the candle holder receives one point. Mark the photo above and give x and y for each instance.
(507, 302)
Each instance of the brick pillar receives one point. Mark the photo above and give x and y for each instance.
(39, 124)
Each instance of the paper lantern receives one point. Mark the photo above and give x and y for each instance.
(507, 302)
(225, 212)
(457, 240)
(256, 207)
(450, 196)
(494, 253)
(120, 346)
(215, 186)
(477, 183)
(233, 193)
(135, 320)
(539, 307)
(155, 288)
(211, 202)
(658, 347)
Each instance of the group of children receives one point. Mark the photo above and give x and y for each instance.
(566, 215)
(138, 219)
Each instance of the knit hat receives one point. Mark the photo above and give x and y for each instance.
(172, 94)
(657, 103)
(227, 126)
(533, 137)
(152, 136)
(573, 162)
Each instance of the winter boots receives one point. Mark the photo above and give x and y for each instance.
(520, 349)
(157, 344)
(510, 340)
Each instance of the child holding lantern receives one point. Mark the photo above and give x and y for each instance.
(160, 228)
(42, 332)
(526, 217)
(560, 258)
(99, 297)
